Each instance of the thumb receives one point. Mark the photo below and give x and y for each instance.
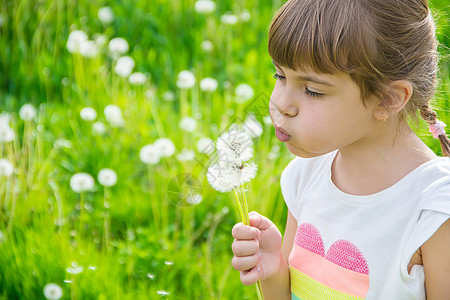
(259, 221)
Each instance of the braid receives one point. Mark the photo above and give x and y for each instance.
(429, 115)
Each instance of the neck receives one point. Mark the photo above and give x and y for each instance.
(379, 161)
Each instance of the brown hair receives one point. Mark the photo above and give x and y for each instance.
(375, 41)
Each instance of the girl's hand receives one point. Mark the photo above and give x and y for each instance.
(257, 249)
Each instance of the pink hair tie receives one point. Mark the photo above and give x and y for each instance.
(437, 129)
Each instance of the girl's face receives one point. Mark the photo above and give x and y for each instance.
(317, 113)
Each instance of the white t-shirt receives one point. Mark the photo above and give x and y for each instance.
(359, 247)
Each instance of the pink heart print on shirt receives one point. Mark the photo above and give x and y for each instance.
(340, 273)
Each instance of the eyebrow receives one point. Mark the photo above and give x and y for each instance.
(308, 77)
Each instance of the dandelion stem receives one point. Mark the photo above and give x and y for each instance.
(81, 213)
(107, 219)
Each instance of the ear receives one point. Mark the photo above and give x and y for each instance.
(395, 101)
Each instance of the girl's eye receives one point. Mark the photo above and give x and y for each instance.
(313, 94)
(276, 76)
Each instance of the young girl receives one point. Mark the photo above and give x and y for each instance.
(368, 202)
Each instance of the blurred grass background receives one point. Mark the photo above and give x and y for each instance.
(187, 250)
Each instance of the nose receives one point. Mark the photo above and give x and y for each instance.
(284, 104)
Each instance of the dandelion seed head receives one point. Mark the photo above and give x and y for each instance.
(137, 78)
(228, 18)
(235, 146)
(168, 96)
(27, 112)
(224, 176)
(151, 276)
(186, 80)
(188, 124)
(205, 6)
(165, 147)
(267, 120)
(92, 268)
(52, 291)
(113, 115)
(244, 16)
(88, 114)
(6, 134)
(118, 46)
(75, 39)
(169, 263)
(67, 281)
(100, 40)
(74, 268)
(124, 66)
(186, 155)
(194, 198)
(62, 143)
(207, 46)
(81, 182)
(149, 155)
(243, 93)
(162, 293)
(252, 127)
(88, 49)
(6, 167)
(208, 84)
(107, 177)
(105, 15)
(98, 128)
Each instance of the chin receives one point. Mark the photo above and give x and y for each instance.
(303, 153)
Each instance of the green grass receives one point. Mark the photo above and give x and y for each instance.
(186, 250)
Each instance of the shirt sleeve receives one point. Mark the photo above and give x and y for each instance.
(434, 213)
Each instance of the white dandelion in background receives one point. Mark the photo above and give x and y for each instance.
(118, 46)
(149, 155)
(168, 96)
(252, 127)
(243, 93)
(186, 155)
(75, 39)
(186, 80)
(6, 167)
(267, 120)
(194, 198)
(88, 49)
(62, 143)
(74, 268)
(113, 115)
(150, 276)
(205, 145)
(52, 291)
(6, 133)
(235, 146)
(205, 6)
(81, 182)
(107, 177)
(92, 268)
(98, 128)
(88, 114)
(208, 84)
(228, 18)
(163, 293)
(188, 124)
(137, 78)
(244, 16)
(100, 40)
(124, 66)
(105, 15)
(27, 112)
(207, 46)
(165, 147)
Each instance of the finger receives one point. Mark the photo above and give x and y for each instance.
(245, 247)
(246, 262)
(259, 221)
(245, 232)
(251, 276)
